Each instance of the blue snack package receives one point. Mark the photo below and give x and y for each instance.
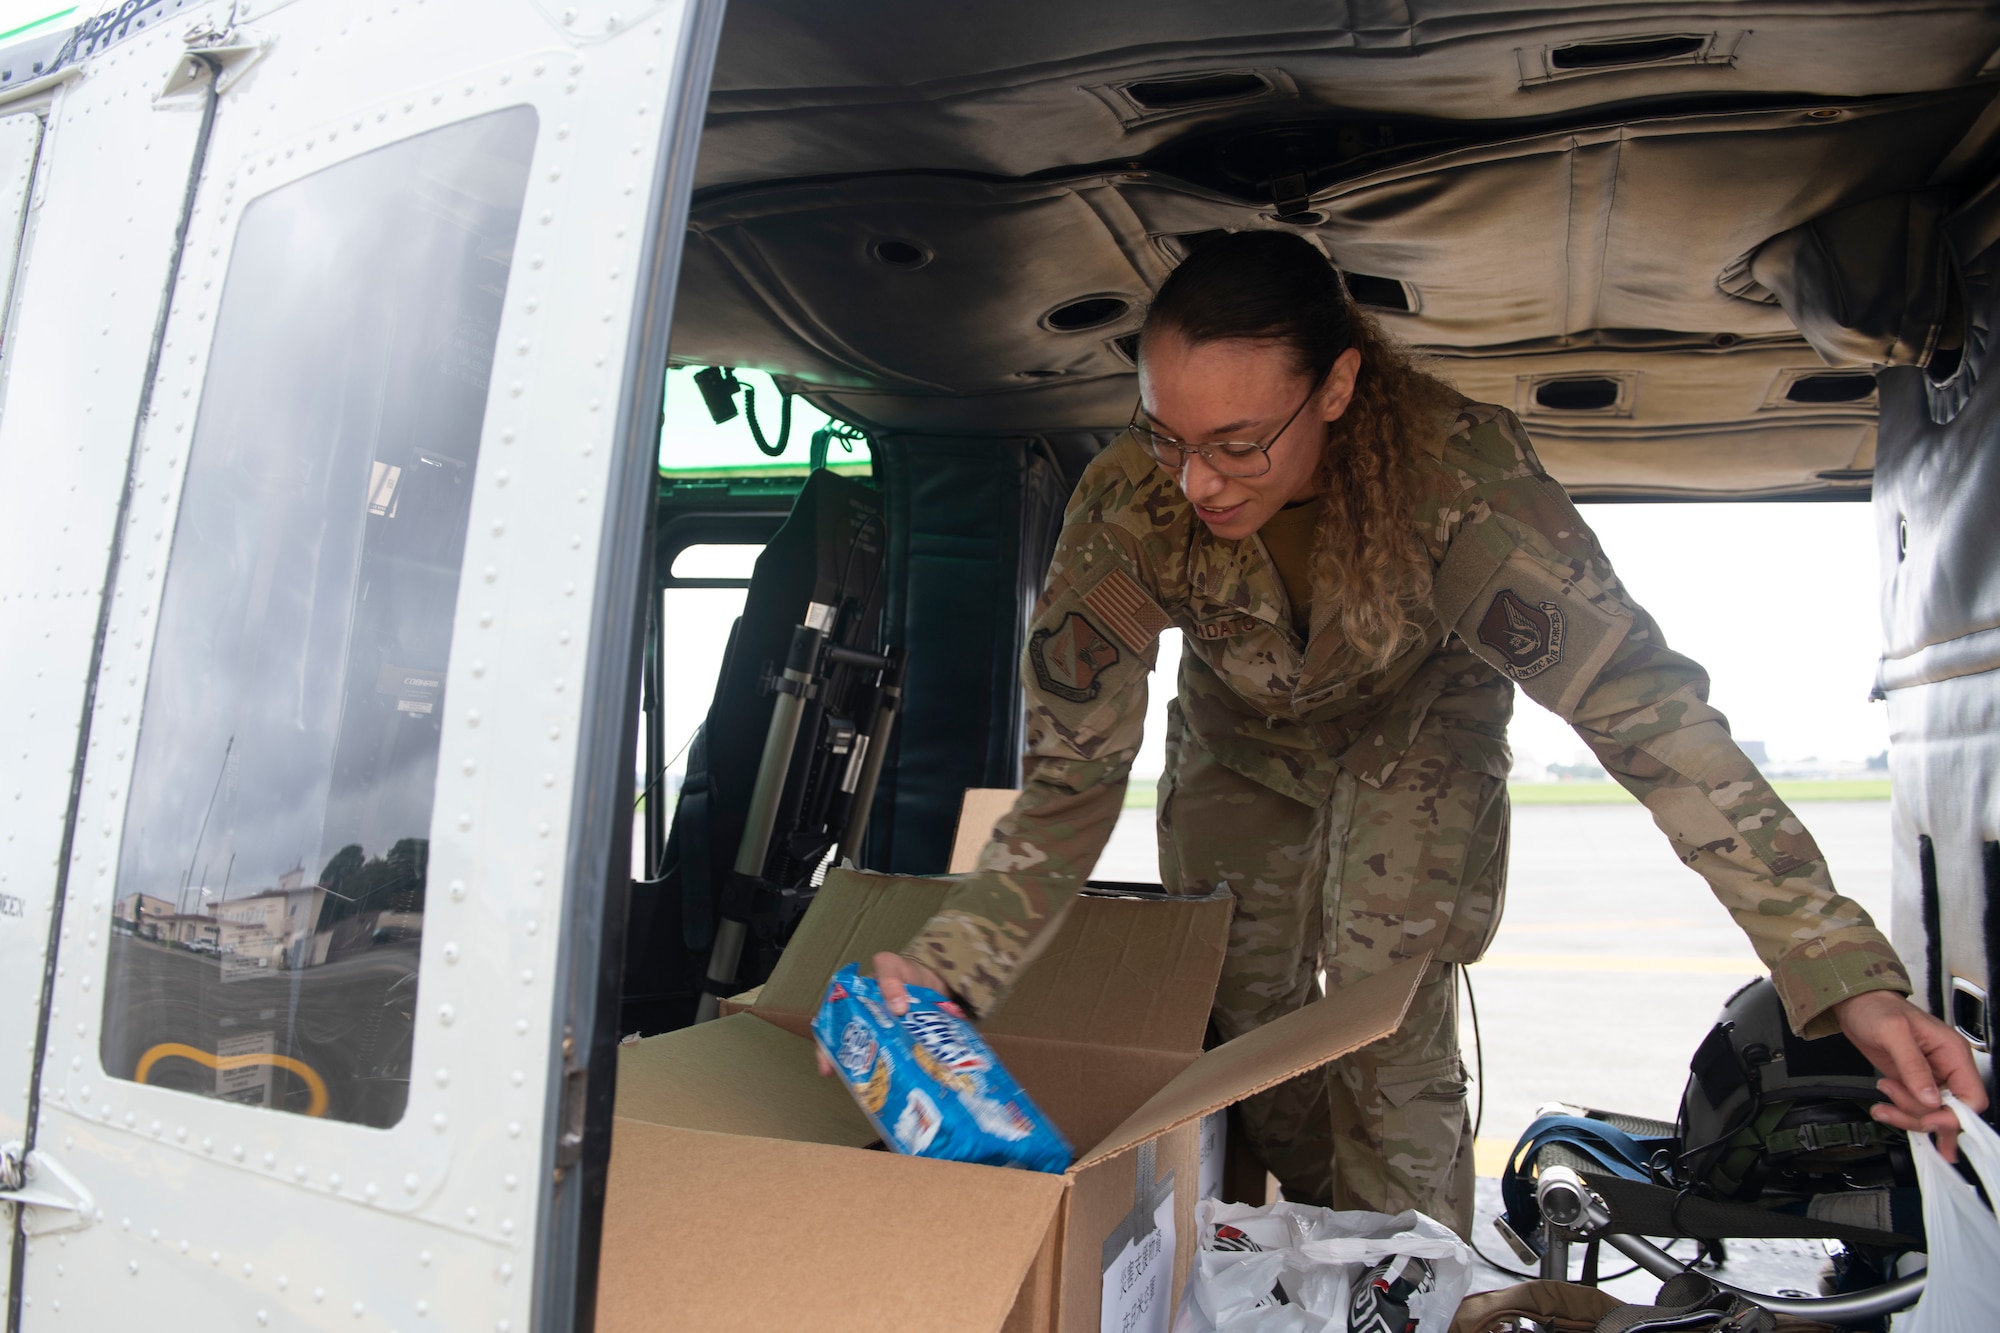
(928, 1082)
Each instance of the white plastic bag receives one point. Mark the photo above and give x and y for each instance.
(1312, 1256)
(1962, 1293)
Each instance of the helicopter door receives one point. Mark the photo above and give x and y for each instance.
(24, 893)
(322, 1023)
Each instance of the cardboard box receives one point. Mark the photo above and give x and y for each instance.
(738, 1004)
(978, 811)
(741, 1194)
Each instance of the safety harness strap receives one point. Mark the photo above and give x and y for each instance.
(1611, 1148)
(1811, 1138)
(1690, 1301)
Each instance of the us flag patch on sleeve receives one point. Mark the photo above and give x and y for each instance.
(1126, 610)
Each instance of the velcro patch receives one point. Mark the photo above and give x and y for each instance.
(1071, 659)
(1543, 631)
(1126, 610)
(1528, 636)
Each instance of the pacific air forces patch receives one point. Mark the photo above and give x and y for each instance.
(1528, 637)
(1070, 659)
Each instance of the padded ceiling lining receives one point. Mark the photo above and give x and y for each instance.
(969, 319)
(1545, 237)
(1556, 222)
(1696, 422)
(804, 88)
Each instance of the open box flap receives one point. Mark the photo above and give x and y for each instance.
(855, 915)
(723, 1232)
(978, 811)
(1344, 1021)
(1087, 1090)
(738, 1075)
(1119, 972)
(1131, 972)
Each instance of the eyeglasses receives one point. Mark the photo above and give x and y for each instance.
(1231, 458)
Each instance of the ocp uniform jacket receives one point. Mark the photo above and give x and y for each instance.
(1521, 595)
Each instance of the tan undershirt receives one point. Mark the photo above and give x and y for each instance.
(1288, 537)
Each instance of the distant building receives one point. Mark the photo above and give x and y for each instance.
(181, 928)
(1585, 770)
(1754, 751)
(274, 927)
(140, 914)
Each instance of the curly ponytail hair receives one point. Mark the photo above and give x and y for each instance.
(1371, 574)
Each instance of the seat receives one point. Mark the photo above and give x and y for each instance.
(817, 582)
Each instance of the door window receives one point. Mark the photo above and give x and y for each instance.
(272, 877)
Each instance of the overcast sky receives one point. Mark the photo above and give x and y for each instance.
(1778, 601)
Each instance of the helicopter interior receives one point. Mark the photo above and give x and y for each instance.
(1738, 251)
(1706, 254)
(1676, 243)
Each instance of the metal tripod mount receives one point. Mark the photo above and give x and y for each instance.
(864, 764)
(809, 661)
(1573, 1212)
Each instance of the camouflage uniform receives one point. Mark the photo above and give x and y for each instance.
(1375, 799)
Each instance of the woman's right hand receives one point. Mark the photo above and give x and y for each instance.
(897, 974)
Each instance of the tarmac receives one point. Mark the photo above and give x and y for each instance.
(349, 1022)
(1611, 963)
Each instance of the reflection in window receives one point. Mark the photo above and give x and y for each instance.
(272, 878)
(382, 479)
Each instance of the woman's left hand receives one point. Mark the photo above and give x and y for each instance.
(1916, 1053)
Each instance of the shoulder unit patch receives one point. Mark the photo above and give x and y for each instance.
(1528, 637)
(1070, 659)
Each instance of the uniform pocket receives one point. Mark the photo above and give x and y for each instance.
(1482, 883)
(1440, 1080)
